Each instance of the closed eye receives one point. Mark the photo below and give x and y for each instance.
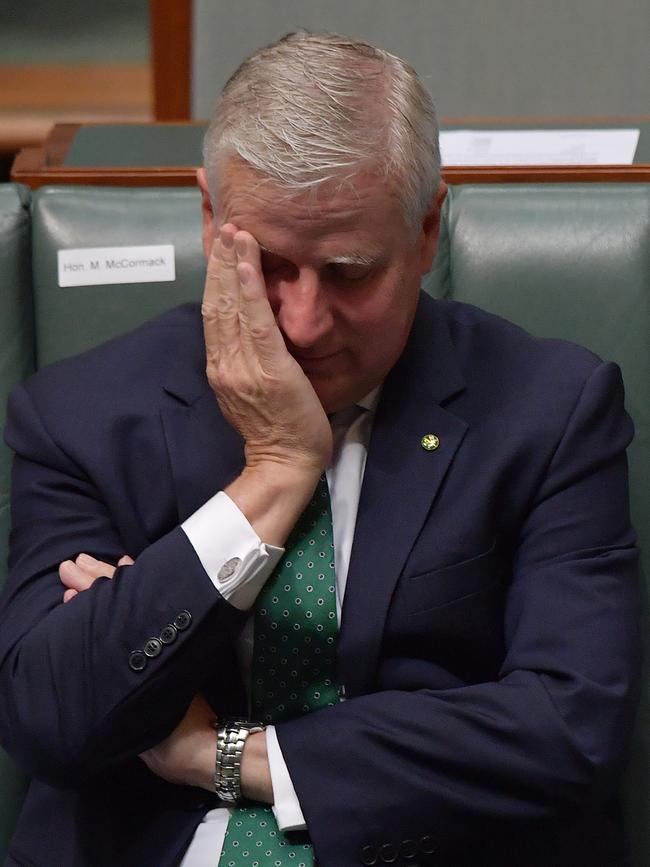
(274, 265)
(348, 272)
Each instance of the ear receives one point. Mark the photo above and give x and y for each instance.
(207, 214)
(431, 229)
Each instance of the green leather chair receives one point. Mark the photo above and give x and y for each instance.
(562, 260)
(69, 320)
(16, 362)
(573, 261)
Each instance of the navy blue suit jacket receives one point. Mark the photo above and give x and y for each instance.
(488, 644)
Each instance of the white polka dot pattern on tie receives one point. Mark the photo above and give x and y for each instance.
(253, 840)
(296, 617)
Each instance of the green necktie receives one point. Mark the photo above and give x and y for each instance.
(293, 672)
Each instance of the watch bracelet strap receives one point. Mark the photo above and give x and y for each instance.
(231, 739)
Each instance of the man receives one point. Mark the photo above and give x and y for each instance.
(475, 704)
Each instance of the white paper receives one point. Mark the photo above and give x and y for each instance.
(103, 266)
(561, 147)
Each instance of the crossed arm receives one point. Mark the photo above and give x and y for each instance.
(187, 756)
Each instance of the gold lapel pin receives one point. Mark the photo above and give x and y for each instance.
(430, 442)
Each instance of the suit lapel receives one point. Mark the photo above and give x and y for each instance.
(400, 484)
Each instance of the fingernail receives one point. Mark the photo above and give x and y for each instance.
(240, 247)
(226, 240)
(243, 275)
(67, 566)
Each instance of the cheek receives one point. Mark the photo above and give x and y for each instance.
(380, 316)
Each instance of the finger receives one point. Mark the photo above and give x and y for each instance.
(221, 293)
(70, 594)
(73, 577)
(247, 249)
(125, 561)
(93, 567)
(258, 326)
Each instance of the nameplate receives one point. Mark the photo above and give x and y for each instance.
(102, 266)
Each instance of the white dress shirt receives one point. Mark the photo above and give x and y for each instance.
(239, 563)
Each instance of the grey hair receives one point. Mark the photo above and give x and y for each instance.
(314, 107)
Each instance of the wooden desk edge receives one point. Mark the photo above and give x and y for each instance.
(637, 173)
(28, 168)
(26, 171)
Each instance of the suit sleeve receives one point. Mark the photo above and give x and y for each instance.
(549, 735)
(74, 699)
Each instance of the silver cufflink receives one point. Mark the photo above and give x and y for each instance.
(229, 568)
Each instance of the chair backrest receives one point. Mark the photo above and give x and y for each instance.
(72, 318)
(573, 261)
(16, 327)
(16, 362)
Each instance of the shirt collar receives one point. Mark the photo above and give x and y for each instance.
(370, 401)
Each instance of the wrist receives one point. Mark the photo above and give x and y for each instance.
(203, 774)
(284, 473)
(272, 496)
(256, 781)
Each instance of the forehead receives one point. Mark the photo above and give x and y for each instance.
(362, 208)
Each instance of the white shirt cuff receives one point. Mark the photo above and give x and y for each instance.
(234, 557)
(286, 807)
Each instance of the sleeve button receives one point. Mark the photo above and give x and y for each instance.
(368, 856)
(137, 660)
(408, 849)
(388, 853)
(182, 620)
(168, 634)
(153, 647)
(428, 845)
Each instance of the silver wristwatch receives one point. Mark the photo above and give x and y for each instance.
(231, 737)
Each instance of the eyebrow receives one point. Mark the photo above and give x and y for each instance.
(352, 258)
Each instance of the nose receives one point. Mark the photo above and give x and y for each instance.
(302, 308)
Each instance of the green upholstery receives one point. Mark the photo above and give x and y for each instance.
(16, 361)
(16, 327)
(564, 260)
(71, 319)
(573, 261)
